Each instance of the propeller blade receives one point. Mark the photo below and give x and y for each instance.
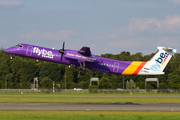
(61, 57)
(63, 46)
(62, 51)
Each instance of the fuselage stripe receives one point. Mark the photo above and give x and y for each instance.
(139, 68)
(131, 68)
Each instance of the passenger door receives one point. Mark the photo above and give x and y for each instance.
(29, 50)
(116, 67)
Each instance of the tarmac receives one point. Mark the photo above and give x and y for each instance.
(90, 106)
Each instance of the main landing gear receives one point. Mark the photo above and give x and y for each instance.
(83, 72)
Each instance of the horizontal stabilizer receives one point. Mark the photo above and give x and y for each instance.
(168, 49)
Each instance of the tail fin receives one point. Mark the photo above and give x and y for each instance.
(158, 62)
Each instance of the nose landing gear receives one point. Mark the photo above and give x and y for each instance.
(11, 57)
(83, 72)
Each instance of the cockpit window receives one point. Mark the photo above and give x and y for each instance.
(20, 46)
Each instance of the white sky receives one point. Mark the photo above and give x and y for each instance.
(107, 26)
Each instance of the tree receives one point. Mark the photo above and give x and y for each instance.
(93, 89)
(46, 83)
(130, 84)
(31, 71)
(4, 71)
(141, 85)
(57, 72)
(163, 86)
(104, 83)
(69, 72)
(44, 70)
(149, 86)
(173, 81)
(9, 81)
(17, 66)
(84, 80)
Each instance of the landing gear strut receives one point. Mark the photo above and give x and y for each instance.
(11, 57)
(83, 72)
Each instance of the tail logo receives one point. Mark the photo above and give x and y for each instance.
(162, 58)
(160, 61)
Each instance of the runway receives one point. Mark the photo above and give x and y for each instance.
(90, 106)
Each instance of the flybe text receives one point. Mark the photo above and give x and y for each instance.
(43, 52)
(159, 61)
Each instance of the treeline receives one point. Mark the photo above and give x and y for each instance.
(19, 73)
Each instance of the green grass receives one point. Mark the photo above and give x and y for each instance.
(106, 98)
(88, 115)
(89, 98)
(26, 91)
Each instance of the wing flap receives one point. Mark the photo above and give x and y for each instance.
(80, 58)
(83, 55)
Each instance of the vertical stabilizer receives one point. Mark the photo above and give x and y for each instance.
(158, 62)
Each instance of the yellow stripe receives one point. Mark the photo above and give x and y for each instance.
(131, 68)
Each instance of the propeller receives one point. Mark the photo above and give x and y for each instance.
(62, 50)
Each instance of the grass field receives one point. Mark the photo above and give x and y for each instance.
(88, 115)
(94, 98)
(89, 98)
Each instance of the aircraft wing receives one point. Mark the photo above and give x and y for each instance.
(83, 55)
(80, 58)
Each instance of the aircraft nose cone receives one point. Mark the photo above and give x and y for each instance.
(8, 50)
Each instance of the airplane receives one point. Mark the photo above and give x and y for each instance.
(84, 59)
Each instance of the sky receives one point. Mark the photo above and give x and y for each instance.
(106, 26)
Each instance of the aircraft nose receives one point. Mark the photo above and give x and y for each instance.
(8, 50)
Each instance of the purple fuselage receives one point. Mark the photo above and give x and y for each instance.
(70, 57)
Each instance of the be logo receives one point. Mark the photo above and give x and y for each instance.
(162, 58)
(159, 61)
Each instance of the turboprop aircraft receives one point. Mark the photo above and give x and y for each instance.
(84, 59)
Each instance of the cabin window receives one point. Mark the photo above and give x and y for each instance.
(20, 46)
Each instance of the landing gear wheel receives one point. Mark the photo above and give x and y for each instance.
(83, 72)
